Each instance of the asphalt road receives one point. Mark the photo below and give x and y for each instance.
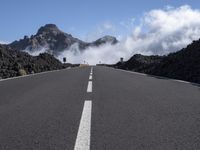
(98, 109)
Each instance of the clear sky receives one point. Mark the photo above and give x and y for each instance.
(78, 17)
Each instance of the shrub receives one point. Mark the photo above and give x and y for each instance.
(22, 72)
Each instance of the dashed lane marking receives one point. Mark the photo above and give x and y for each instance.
(89, 88)
(84, 131)
(90, 77)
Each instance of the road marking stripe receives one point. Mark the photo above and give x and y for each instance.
(181, 81)
(84, 131)
(30, 75)
(91, 70)
(90, 78)
(143, 74)
(162, 77)
(89, 88)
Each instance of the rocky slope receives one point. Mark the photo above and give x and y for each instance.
(15, 63)
(140, 63)
(183, 65)
(53, 40)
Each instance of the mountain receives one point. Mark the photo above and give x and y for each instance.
(104, 40)
(48, 37)
(53, 40)
(15, 63)
(183, 65)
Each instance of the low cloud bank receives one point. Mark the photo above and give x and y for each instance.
(159, 32)
(4, 42)
(37, 51)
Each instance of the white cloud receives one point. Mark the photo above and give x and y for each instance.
(160, 31)
(168, 30)
(128, 24)
(105, 54)
(108, 26)
(37, 51)
(4, 42)
(105, 28)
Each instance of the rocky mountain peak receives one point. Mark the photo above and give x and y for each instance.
(48, 28)
(109, 39)
(105, 39)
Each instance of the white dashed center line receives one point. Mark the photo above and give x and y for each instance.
(89, 88)
(83, 136)
(90, 78)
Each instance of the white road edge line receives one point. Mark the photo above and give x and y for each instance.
(29, 75)
(84, 131)
(143, 74)
(89, 88)
(181, 81)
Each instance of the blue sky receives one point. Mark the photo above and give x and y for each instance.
(81, 18)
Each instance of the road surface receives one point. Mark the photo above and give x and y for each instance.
(98, 108)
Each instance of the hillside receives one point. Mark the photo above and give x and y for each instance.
(183, 65)
(15, 63)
